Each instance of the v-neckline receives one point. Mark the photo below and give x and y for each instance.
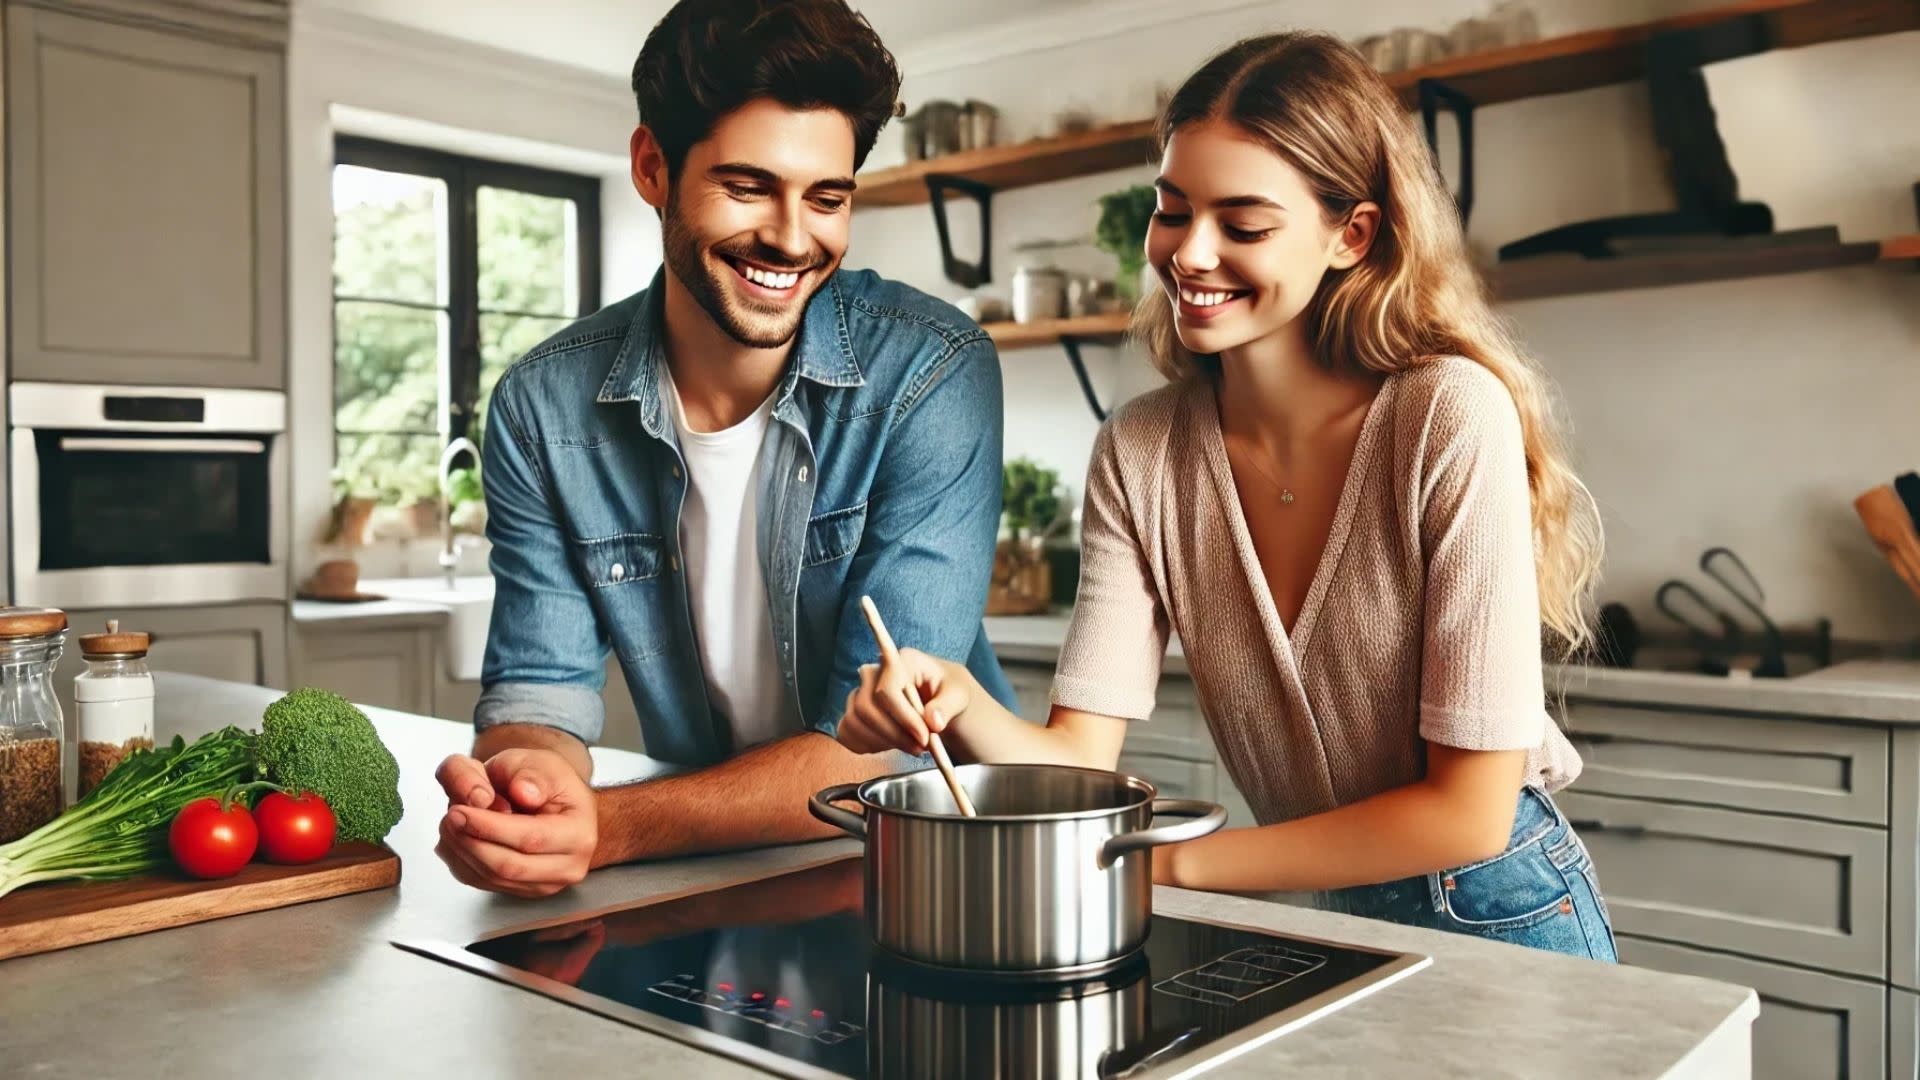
(1293, 639)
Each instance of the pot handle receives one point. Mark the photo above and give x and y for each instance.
(821, 803)
(1208, 817)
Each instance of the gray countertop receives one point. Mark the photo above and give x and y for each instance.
(318, 990)
(1876, 691)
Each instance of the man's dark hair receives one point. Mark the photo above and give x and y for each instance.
(710, 57)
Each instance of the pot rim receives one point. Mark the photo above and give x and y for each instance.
(1144, 789)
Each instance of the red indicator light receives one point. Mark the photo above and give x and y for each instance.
(726, 988)
(755, 996)
(817, 1014)
(781, 1003)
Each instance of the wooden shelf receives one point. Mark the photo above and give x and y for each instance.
(1083, 153)
(1618, 54)
(1533, 279)
(1553, 66)
(1013, 335)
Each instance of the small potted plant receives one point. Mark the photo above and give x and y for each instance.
(355, 495)
(1122, 231)
(1030, 510)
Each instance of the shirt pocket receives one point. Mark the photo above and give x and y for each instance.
(630, 578)
(834, 536)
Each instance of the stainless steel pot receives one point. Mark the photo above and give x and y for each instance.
(1054, 878)
(1097, 1029)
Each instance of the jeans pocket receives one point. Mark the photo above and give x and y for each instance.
(1512, 891)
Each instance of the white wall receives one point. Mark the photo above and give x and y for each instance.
(1747, 413)
(349, 74)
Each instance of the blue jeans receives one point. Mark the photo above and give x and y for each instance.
(1541, 892)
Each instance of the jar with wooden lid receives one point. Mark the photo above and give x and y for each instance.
(32, 732)
(114, 702)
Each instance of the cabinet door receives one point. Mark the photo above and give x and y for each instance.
(1903, 1034)
(147, 214)
(1811, 1026)
(1903, 914)
(1804, 892)
(384, 668)
(1736, 760)
(243, 643)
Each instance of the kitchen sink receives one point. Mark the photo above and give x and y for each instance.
(469, 605)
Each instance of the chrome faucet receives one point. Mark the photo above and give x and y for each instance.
(450, 551)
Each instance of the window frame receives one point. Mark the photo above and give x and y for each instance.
(464, 176)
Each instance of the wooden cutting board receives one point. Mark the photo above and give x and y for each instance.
(41, 918)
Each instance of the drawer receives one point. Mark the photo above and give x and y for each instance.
(1811, 1026)
(1732, 759)
(1903, 1034)
(1175, 778)
(1804, 892)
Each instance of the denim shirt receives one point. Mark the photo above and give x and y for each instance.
(880, 476)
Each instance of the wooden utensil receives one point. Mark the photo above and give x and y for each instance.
(892, 655)
(1892, 530)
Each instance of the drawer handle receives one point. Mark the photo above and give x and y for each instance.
(1596, 825)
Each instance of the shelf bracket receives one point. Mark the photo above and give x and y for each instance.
(1433, 95)
(1072, 345)
(964, 274)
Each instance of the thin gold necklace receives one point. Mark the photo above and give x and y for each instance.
(1286, 495)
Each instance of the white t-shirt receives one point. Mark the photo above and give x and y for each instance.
(719, 549)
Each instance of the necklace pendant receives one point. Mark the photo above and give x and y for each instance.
(1286, 496)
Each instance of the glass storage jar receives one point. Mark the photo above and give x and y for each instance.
(112, 702)
(32, 734)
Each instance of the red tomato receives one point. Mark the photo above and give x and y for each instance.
(209, 841)
(294, 828)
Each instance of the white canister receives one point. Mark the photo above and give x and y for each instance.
(1039, 292)
(114, 702)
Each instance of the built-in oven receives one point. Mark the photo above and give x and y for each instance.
(147, 496)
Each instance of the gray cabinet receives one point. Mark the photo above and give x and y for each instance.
(386, 668)
(1904, 865)
(1740, 761)
(243, 643)
(146, 202)
(1903, 1034)
(1811, 1025)
(1806, 892)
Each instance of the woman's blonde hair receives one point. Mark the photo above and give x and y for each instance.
(1415, 297)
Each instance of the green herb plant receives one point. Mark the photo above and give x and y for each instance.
(1122, 231)
(1028, 499)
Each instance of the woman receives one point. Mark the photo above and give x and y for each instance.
(1350, 507)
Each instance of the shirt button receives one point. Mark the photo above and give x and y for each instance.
(803, 474)
(676, 472)
(673, 563)
(617, 572)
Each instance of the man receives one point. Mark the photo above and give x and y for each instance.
(707, 476)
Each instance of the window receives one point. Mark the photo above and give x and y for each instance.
(446, 269)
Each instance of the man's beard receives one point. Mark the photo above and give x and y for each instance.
(749, 324)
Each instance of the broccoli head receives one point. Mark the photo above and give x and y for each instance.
(313, 740)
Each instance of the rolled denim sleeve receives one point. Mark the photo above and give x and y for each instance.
(546, 655)
(933, 516)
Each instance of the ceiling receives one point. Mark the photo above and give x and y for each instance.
(603, 36)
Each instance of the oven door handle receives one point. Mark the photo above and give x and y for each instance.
(163, 446)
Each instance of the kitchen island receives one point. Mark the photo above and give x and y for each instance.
(319, 990)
